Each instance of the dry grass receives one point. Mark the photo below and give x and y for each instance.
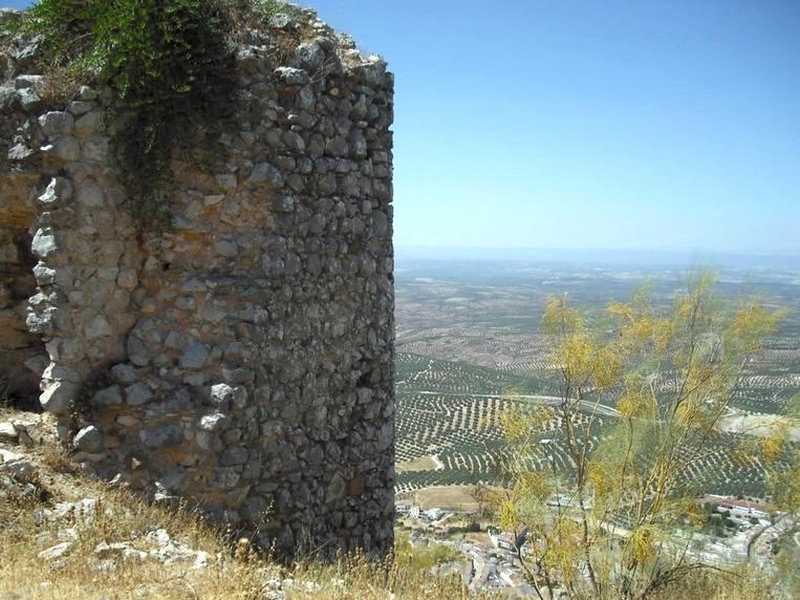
(84, 572)
(406, 575)
(93, 568)
(238, 573)
(61, 85)
(710, 585)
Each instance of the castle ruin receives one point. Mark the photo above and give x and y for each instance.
(242, 358)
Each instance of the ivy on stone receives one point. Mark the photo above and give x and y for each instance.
(170, 65)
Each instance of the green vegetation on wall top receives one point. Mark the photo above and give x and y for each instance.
(169, 62)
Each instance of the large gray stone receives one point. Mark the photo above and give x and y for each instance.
(109, 396)
(97, 327)
(7, 97)
(308, 56)
(58, 395)
(212, 422)
(27, 82)
(90, 194)
(55, 552)
(124, 373)
(56, 123)
(195, 356)
(233, 456)
(292, 76)
(43, 274)
(44, 243)
(58, 372)
(226, 478)
(166, 436)
(223, 395)
(138, 394)
(266, 173)
(137, 351)
(336, 488)
(58, 190)
(89, 123)
(88, 439)
(65, 148)
(29, 99)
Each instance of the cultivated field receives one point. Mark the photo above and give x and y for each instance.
(468, 348)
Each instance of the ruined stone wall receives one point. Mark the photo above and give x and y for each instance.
(243, 359)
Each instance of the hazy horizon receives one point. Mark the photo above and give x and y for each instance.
(679, 258)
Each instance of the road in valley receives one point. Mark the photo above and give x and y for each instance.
(588, 406)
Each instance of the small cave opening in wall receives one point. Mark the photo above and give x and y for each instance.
(22, 354)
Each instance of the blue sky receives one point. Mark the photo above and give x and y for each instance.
(561, 124)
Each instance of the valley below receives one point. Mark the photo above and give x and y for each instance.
(469, 348)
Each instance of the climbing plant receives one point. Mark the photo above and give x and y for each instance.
(170, 64)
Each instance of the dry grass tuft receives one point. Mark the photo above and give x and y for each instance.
(412, 573)
(61, 85)
(745, 584)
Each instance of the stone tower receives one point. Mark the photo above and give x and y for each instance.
(242, 359)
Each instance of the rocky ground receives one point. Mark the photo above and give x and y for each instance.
(66, 534)
(69, 532)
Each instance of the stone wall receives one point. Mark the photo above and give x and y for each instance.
(243, 359)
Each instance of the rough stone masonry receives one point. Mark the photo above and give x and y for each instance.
(243, 360)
